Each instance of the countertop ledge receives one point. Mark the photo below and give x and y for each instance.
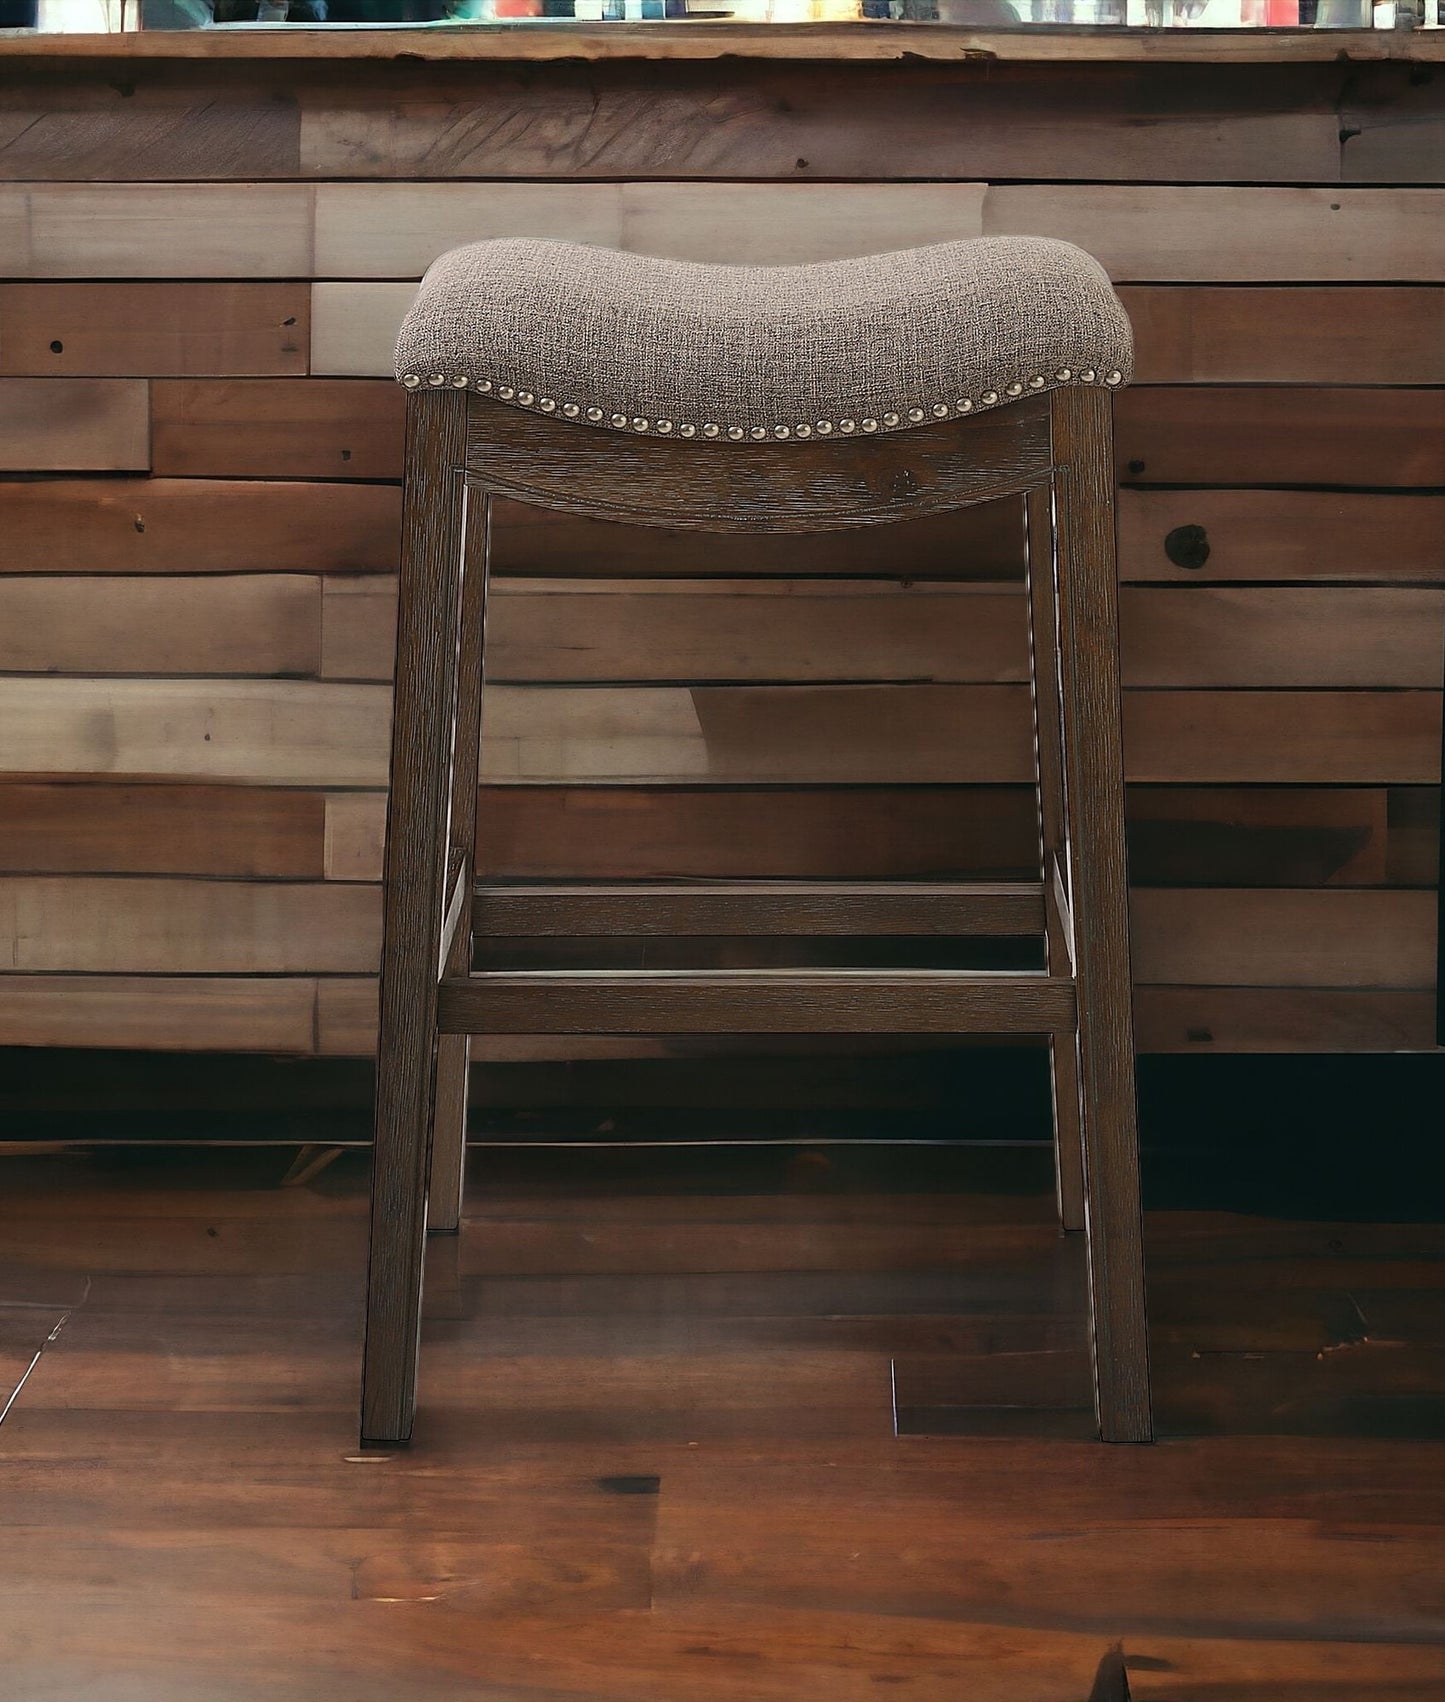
(934, 43)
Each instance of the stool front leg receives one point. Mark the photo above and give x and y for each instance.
(428, 630)
(1088, 649)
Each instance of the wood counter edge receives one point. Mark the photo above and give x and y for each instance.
(863, 40)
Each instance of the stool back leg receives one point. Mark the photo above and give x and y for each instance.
(1048, 755)
(428, 629)
(1088, 650)
(449, 1133)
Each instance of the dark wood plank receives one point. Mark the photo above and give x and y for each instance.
(253, 832)
(1229, 435)
(260, 428)
(138, 330)
(197, 526)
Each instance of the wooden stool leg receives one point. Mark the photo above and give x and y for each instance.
(1087, 592)
(449, 1136)
(415, 897)
(1044, 673)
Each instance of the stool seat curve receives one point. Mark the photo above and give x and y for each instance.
(748, 354)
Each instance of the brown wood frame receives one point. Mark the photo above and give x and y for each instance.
(462, 451)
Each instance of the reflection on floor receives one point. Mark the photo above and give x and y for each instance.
(765, 1425)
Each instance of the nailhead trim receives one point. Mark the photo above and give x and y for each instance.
(641, 425)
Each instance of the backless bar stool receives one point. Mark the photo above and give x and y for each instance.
(753, 399)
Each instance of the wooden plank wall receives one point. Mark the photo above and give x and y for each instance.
(203, 270)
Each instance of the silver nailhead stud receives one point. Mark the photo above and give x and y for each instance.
(805, 431)
(709, 430)
(1014, 389)
(437, 378)
(687, 431)
(594, 414)
(782, 431)
(617, 420)
(505, 392)
(847, 425)
(1036, 383)
(758, 432)
(915, 414)
(639, 424)
(664, 425)
(1088, 375)
(1064, 374)
(870, 425)
(484, 384)
(546, 404)
(1114, 378)
(411, 381)
(526, 398)
(888, 420)
(988, 398)
(460, 383)
(571, 410)
(940, 410)
(963, 405)
(824, 427)
(735, 432)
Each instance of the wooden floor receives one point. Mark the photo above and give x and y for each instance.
(769, 1425)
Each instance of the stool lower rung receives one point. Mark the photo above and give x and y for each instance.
(746, 1001)
(812, 908)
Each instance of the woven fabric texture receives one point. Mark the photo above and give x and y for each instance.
(725, 352)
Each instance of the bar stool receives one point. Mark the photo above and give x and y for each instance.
(757, 399)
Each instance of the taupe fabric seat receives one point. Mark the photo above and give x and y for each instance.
(743, 353)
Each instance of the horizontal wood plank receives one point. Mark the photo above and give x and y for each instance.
(335, 734)
(243, 624)
(1285, 536)
(1146, 233)
(396, 230)
(260, 428)
(1283, 1019)
(192, 526)
(105, 925)
(1270, 938)
(247, 831)
(1216, 835)
(1238, 436)
(59, 425)
(169, 1013)
(161, 230)
(830, 121)
(58, 330)
(1296, 335)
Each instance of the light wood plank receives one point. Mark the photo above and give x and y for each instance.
(246, 624)
(1298, 536)
(157, 230)
(106, 926)
(385, 230)
(1202, 234)
(355, 835)
(259, 428)
(1283, 1019)
(197, 526)
(259, 731)
(74, 828)
(354, 327)
(1286, 335)
(59, 425)
(1235, 436)
(199, 1013)
(56, 330)
(334, 734)
(346, 1016)
(1274, 938)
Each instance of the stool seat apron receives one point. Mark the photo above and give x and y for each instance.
(751, 354)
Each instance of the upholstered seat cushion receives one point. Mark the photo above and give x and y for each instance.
(742, 353)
